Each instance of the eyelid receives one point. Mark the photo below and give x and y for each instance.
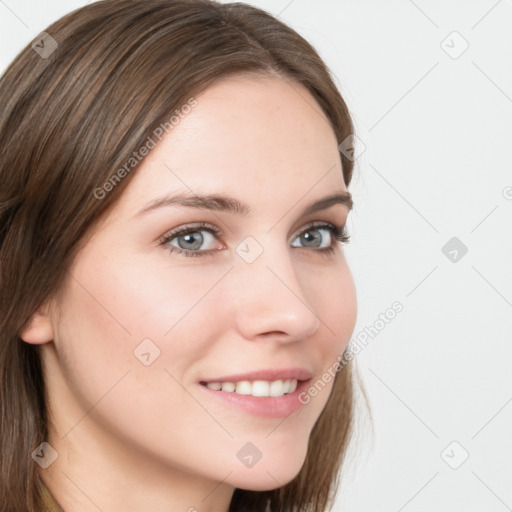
(338, 233)
(199, 226)
(190, 228)
(318, 224)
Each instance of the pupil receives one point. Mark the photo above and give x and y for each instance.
(310, 239)
(191, 241)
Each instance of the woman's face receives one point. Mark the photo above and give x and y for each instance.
(249, 292)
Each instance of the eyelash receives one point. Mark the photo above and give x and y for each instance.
(338, 233)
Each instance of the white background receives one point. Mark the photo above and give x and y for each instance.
(437, 165)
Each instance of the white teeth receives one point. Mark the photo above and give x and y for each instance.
(243, 387)
(256, 388)
(260, 388)
(228, 386)
(276, 388)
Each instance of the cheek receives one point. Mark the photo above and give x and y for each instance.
(110, 309)
(135, 299)
(105, 315)
(335, 302)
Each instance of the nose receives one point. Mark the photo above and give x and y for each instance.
(270, 300)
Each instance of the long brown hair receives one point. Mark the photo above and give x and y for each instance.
(74, 107)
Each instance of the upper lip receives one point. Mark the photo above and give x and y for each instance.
(270, 374)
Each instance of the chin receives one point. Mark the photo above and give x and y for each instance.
(269, 474)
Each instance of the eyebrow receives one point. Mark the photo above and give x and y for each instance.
(224, 203)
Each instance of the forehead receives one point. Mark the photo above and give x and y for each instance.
(245, 135)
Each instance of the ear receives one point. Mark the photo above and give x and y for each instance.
(38, 330)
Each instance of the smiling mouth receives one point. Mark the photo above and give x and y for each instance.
(257, 388)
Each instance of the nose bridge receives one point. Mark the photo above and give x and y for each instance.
(271, 298)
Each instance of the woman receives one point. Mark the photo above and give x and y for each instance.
(174, 296)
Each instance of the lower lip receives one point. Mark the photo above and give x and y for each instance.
(262, 406)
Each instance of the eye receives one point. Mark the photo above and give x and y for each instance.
(201, 239)
(322, 237)
(197, 240)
